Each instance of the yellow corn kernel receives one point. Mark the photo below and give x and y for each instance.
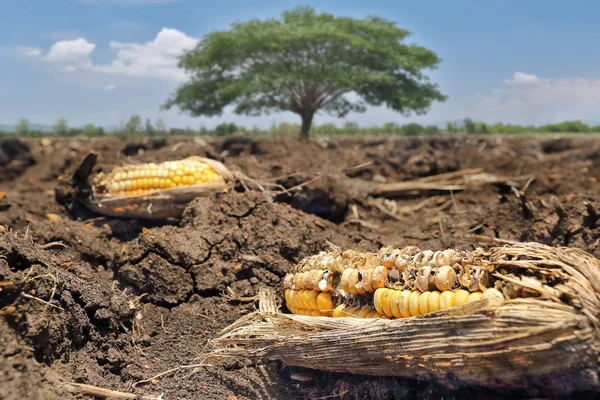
(324, 303)
(434, 301)
(446, 300)
(403, 303)
(350, 312)
(378, 300)
(338, 311)
(363, 312)
(312, 295)
(413, 303)
(424, 303)
(387, 303)
(461, 297)
(395, 300)
(475, 296)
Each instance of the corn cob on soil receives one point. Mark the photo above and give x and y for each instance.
(492, 318)
(156, 190)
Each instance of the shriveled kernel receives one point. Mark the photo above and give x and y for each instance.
(422, 282)
(353, 281)
(315, 276)
(367, 274)
(379, 277)
(307, 280)
(445, 278)
(494, 295)
(345, 279)
(288, 280)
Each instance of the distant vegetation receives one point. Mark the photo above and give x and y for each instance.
(135, 127)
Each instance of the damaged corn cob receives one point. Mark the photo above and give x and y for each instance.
(154, 191)
(132, 180)
(397, 283)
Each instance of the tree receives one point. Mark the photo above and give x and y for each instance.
(61, 127)
(306, 62)
(225, 129)
(160, 125)
(134, 124)
(481, 127)
(149, 127)
(431, 130)
(22, 127)
(91, 130)
(412, 129)
(451, 127)
(469, 125)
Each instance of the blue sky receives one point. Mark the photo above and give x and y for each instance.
(101, 61)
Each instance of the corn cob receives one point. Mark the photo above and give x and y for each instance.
(156, 191)
(134, 180)
(397, 283)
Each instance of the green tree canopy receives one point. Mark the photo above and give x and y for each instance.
(160, 126)
(22, 127)
(61, 127)
(307, 62)
(134, 124)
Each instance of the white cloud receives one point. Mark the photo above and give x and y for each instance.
(29, 51)
(523, 78)
(549, 91)
(156, 59)
(75, 51)
(540, 100)
(110, 87)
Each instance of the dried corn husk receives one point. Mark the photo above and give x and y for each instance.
(521, 342)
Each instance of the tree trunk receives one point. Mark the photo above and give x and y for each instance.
(306, 123)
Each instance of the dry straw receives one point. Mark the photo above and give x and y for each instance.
(519, 342)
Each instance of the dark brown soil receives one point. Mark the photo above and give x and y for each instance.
(130, 299)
